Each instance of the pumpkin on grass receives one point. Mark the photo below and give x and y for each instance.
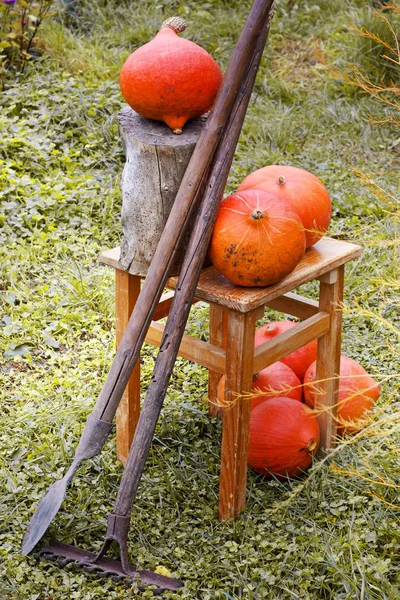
(358, 393)
(300, 359)
(271, 382)
(303, 190)
(170, 79)
(284, 437)
(257, 240)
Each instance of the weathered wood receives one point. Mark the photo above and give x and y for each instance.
(229, 107)
(289, 341)
(127, 288)
(156, 161)
(191, 348)
(328, 358)
(325, 255)
(295, 305)
(251, 43)
(236, 417)
(218, 323)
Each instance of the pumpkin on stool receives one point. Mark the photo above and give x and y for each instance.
(303, 190)
(257, 240)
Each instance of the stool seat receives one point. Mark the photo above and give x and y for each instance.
(324, 256)
(230, 351)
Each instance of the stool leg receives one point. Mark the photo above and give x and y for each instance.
(127, 289)
(236, 417)
(328, 356)
(217, 336)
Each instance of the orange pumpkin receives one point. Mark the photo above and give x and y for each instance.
(305, 192)
(170, 79)
(284, 436)
(257, 240)
(300, 359)
(358, 393)
(273, 381)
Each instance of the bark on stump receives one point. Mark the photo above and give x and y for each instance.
(156, 160)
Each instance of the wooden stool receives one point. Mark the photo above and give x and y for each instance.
(230, 351)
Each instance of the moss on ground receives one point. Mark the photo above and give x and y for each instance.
(333, 535)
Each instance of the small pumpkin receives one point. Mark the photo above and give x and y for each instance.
(170, 79)
(284, 436)
(303, 190)
(257, 240)
(300, 359)
(358, 393)
(271, 382)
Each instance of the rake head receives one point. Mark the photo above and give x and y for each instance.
(76, 558)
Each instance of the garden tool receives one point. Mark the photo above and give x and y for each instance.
(235, 91)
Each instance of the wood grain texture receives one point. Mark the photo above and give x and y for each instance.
(127, 288)
(163, 307)
(191, 348)
(328, 359)
(241, 70)
(218, 324)
(323, 257)
(156, 161)
(236, 417)
(290, 340)
(295, 305)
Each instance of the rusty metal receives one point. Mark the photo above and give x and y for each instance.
(93, 437)
(77, 558)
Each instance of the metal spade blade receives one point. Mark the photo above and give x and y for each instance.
(92, 441)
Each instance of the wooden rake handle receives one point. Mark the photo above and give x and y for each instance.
(186, 287)
(190, 189)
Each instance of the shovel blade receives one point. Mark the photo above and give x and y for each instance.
(45, 512)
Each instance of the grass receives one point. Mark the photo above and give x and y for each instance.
(333, 535)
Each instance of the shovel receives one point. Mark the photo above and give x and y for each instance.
(250, 46)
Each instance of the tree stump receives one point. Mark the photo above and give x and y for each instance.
(156, 160)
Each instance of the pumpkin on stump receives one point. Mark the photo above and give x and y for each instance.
(284, 437)
(170, 79)
(271, 382)
(300, 359)
(358, 393)
(303, 190)
(257, 240)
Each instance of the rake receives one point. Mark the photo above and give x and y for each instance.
(202, 188)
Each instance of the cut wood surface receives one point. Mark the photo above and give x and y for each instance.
(156, 160)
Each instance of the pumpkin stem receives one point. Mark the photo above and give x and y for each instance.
(312, 444)
(281, 180)
(257, 214)
(176, 23)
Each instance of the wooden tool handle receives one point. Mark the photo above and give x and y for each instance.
(186, 287)
(189, 191)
